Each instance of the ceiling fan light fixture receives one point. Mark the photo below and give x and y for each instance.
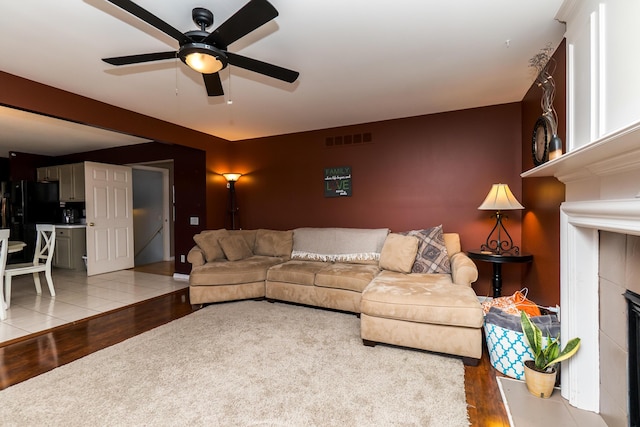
(202, 57)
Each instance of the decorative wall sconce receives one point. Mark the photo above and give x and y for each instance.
(233, 206)
(500, 198)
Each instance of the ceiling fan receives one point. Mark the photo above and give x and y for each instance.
(207, 52)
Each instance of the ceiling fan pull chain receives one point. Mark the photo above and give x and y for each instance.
(229, 101)
(176, 76)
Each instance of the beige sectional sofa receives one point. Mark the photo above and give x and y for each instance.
(411, 289)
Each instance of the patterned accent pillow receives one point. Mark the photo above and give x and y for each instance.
(432, 254)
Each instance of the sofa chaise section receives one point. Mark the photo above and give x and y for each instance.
(437, 312)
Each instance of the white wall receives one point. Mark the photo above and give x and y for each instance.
(603, 70)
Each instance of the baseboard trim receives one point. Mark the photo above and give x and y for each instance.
(181, 276)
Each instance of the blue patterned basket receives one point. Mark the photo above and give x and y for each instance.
(508, 350)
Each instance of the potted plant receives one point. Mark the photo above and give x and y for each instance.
(540, 373)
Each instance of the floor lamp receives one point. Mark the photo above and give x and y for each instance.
(233, 206)
(500, 198)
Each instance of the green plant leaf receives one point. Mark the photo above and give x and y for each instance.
(529, 330)
(570, 349)
(546, 356)
(551, 351)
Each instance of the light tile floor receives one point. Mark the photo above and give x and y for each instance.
(77, 297)
(527, 410)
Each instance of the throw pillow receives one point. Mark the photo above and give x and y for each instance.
(235, 247)
(207, 241)
(398, 253)
(274, 243)
(432, 256)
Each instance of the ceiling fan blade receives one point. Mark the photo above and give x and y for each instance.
(150, 19)
(270, 70)
(252, 15)
(144, 57)
(213, 84)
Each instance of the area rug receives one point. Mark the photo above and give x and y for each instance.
(249, 363)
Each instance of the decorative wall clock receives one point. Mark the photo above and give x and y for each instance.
(540, 140)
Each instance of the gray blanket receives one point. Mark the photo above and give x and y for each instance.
(549, 324)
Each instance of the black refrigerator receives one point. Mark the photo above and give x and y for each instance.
(31, 203)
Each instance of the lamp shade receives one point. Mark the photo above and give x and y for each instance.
(232, 177)
(500, 198)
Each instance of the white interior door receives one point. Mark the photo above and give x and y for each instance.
(109, 205)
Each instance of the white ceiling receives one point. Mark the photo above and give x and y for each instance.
(359, 60)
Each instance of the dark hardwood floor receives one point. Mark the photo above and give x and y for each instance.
(35, 354)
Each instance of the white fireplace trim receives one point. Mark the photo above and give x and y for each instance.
(579, 290)
(619, 216)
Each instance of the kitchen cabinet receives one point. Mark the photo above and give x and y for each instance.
(71, 246)
(49, 173)
(71, 182)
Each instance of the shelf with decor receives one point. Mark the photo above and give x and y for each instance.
(609, 154)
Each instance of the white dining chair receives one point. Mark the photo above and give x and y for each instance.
(4, 248)
(42, 259)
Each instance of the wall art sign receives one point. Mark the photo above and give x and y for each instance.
(337, 182)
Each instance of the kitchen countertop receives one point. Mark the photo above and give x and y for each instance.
(70, 225)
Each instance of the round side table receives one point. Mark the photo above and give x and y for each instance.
(497, 260)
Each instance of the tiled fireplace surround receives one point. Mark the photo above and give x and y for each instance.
(600, 259)
(619, 268)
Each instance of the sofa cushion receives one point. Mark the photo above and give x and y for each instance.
(248, 235)
(338, 244)
(235, 247)
(295, 271)
(352, 277)
(273, 243)
(423, 298)
(399, 253)
(252, 269)
(432, 256)
(207, 241)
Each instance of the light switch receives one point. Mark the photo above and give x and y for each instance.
(194, 220)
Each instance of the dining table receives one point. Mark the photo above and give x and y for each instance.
(15, 246)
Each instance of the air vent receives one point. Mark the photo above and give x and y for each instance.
(348, 140)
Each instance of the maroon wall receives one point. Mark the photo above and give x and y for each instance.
(31, 96)
(542, 196)
(416, 172)
(22, 166)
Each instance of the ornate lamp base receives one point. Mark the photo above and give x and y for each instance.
(496, 244)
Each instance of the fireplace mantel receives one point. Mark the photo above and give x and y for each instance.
(612, 154)
(602, 193)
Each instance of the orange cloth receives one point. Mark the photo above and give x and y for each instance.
(513, 304)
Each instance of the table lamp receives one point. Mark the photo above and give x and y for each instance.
(500, 198)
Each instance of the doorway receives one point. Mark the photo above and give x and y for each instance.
(152, 212)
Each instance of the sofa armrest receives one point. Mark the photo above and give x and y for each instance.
(463, 270)
(196, 257)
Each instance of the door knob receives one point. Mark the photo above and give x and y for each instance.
(91, 224)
